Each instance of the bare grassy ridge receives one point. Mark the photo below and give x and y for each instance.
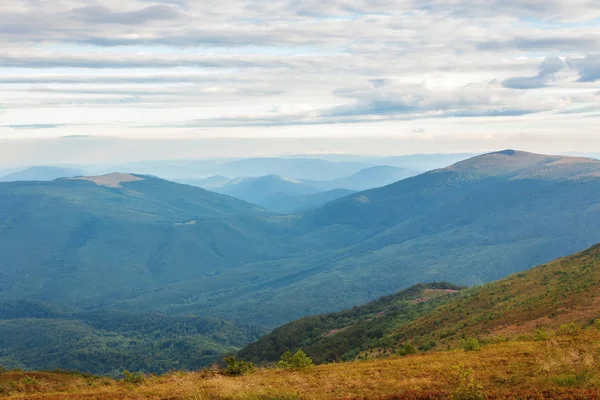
(563, 367)
(562, 291)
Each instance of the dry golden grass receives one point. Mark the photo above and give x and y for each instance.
(563, 362)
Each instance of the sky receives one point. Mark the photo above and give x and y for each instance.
(143, 79)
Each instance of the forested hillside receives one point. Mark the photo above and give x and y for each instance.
(41, 336)
(344, 335)
(561, 295)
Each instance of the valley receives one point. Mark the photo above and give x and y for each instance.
(151, 248)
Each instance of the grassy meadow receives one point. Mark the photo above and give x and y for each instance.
(556, 365)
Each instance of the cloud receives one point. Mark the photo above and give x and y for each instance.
(546, 72)
(238, 63)
(589, 68)
(470, 100)
(104, 15)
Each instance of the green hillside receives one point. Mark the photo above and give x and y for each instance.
(343, 335)
(422, 318)
(41, 336)
(547, 296)
(76, 242)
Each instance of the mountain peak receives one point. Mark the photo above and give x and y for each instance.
(521, 164)
(112, 180)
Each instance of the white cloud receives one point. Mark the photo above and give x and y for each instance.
(183, 64)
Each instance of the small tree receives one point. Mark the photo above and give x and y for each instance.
(540, 335)
(297, 361)
(471, 344)
(135, 378)
(466, 387)
(237, 367)
(569, 329)
(406, 349)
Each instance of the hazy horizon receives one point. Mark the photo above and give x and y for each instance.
(110, 151)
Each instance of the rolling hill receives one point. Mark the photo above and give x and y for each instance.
(435, 316)
(85, 241)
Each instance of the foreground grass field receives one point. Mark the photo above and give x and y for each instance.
(559, 366)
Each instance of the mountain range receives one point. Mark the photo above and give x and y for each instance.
(285, 195)
(139, 244)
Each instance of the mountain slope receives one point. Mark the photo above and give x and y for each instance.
(562, 291)
(367, 178)
(343, 335)
(41, 174)
(299, 203)
(87, 241)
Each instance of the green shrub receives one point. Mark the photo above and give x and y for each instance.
(572, 380)
(135, 378)
(569, 329)
(237, 367)
(471, 344)
(541, 335)
(465, 386)
(597, 324)
(406, 349)
(297, 361)
(428, 346)
(31, 381)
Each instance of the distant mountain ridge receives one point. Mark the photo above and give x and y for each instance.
(368, 178)
(41, 174)
(260, 189)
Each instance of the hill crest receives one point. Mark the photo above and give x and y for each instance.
(517, 164)
(112, 180)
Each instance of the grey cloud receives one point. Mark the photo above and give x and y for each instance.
(34, 126)
(387, 101)
(100, 14)
(546, 72)
(62, 60)
(555, 43)
(470, 100)
(589, 68)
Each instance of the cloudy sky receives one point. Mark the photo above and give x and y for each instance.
(371, 76)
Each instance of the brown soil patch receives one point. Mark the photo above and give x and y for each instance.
(113, 180)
